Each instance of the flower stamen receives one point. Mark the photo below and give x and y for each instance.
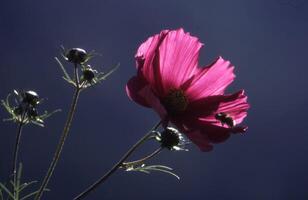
(175, 102)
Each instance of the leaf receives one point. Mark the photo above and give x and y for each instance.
(7, 191)
(25, 185)
(37, 123)
(64, 70)
(103, 76)
(7, 120)
(1, 195)
(6, 104)
(166, 171)
(161, 168)
(46, 114)
(69, 81)
(32, 194)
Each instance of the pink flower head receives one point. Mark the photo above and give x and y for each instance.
(170, 81)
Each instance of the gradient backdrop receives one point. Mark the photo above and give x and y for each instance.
(265, 39)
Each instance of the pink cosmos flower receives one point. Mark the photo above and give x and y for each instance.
(170, 81)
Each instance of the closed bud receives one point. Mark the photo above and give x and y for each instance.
(30, 97)
(170, 138)
(88, 74)
(76, 55)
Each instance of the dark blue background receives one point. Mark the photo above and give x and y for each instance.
(265, 39)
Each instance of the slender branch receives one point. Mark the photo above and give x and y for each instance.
(17, 143)
(142, 160)
(62, 139)
(16, 147)
(116, 166)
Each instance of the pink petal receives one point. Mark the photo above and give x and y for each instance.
(211, 80)
(147, 61)
(178, 58)
(218, 134)
(148, 47)
(133, 87)
(201, 140)
(234, 105)
(237, 108)
(203, 134)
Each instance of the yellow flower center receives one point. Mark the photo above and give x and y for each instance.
(175, 102)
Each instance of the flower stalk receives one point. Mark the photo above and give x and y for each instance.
(17, 143)
(16, 148)
(64, 135)
(142, 160)
(117, 165)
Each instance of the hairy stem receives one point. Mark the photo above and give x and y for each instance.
(64, 135)
(116, 166)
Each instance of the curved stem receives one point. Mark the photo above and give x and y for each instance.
(116, 166)
(142, 160)
(64, 135)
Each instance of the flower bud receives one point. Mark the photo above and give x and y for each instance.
(170, 138)
(76, 55)
(30, 97)
(88, 74)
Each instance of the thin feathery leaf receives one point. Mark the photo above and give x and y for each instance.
(147, 169)
(39, 120)
(37, 123)
(6, 105)
(63, 69)
(105, 75)
(46, 114)
(7, 191)
(69, 81)
(25, 185)
(166, 171)
(1, 195)
(32, 194)
(159, 166)
(144, 171)
(8, 99)
(7, 120)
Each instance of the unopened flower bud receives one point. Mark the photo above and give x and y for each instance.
(30, 97)
(76, 55)
(170, 138)
(88, 74)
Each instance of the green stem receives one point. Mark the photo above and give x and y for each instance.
(16, 147)
(142, 160)
(116, 166)
(64, 135)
